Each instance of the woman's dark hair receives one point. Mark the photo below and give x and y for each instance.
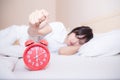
(86, 31)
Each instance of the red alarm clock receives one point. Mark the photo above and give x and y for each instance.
(36, 56)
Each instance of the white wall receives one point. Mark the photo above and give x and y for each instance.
(17, 11)
(76, 12)
(72, 13)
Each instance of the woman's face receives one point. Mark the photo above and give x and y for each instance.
(72, 40)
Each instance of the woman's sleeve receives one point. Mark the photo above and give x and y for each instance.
(58, 31)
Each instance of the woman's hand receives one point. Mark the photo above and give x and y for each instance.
(68, 50)
(38, 17)
(37, 20)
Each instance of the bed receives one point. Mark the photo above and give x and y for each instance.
(64, 67)
(99, 61)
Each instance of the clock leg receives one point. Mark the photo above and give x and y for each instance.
(14, 66)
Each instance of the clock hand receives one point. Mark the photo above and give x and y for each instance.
(37, 53)
(38, 56)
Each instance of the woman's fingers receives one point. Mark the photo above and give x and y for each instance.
(38, 16)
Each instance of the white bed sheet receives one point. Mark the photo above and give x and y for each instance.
(65, 67)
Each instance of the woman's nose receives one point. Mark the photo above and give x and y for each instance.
(75, 41)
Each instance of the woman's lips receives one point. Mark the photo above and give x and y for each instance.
(70, 43)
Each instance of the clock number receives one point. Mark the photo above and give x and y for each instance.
(37, 60)
(36, 50)
(44, 59)
(28, 56)
(32, 49)
(45, 55)
(33, 63)
(41, 63)
(29, 60)
(43, 51)
(37, 64)
(29, 52)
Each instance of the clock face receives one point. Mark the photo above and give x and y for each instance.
(36, 56)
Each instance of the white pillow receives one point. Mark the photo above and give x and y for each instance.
(106, 44)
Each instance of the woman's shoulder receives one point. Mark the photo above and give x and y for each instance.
(58, 26)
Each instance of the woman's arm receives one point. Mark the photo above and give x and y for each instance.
(36, 31)
(68, 50)
(38, 24)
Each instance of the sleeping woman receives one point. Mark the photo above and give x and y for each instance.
(59, 41)
(55, 33)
